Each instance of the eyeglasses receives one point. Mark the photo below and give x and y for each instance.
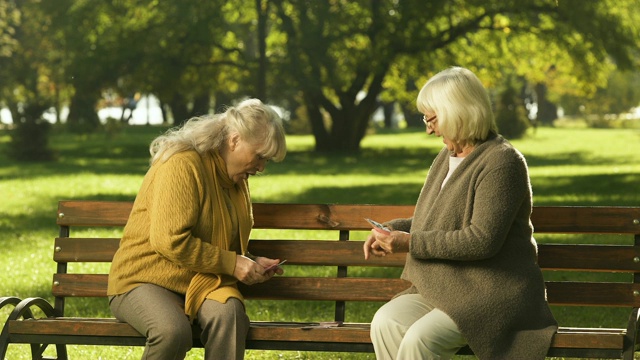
(427, 120)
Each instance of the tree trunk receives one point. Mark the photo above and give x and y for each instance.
(411, 116)
(30, 138)
(82, 111)
(262, 7)
(201, 105)
(349, 122)
(179, 110)
(547, 111)
(388, 109)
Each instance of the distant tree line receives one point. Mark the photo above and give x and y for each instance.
(330, 63)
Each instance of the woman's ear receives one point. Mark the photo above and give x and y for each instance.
(233, 141)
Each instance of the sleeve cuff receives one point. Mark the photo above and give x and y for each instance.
(228, 260)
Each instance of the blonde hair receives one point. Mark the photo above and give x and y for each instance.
(462, 105)
(255, 122)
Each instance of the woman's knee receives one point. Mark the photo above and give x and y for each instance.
(214, 316)
(439, 340)
(176, 335)
(382, 319)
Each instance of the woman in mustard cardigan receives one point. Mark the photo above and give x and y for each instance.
(184, 247)
(471, 257)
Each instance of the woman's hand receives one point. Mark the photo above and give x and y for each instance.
(251, 272)
(381, 243)
(266, 263)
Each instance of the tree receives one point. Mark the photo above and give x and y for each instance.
(28, 88)
(344, 51)
(620, 95)
(190, 53)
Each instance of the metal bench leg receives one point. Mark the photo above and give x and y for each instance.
(23, 310)
(4, 335)
(631, 336)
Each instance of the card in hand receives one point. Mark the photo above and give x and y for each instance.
(274, 266)
(378, 225)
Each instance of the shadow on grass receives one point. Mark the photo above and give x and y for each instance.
(619, 189)
(369, 161)
(574, 159)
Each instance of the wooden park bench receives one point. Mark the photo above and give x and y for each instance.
(343, 258)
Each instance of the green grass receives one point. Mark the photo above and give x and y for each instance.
(576, 166)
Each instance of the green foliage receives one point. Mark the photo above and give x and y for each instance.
(9, 18)
(619, 95)
(388, 49)
(336, 60)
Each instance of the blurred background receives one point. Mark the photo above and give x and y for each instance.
(336, 69)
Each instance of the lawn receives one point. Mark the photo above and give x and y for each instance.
(575, 166)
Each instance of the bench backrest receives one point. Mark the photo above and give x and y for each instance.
(340, 222)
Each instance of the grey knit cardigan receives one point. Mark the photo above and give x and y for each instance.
(472, 254)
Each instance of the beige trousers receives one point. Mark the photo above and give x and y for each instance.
(408, 328)
(159, 314)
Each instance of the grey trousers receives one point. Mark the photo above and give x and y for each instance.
(159, 314)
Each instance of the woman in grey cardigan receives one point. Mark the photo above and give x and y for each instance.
(471, 255)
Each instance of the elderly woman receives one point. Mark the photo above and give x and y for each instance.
(471, 256)
(185, 245)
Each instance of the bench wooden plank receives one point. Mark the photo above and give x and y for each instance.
(268, 331)
(606, 258)
(278, 288)
(267, 216)
(546, 219)
(93, 213)
(584, 220)
(593, 294)
(359, 289)
(599, 258)
(321, 216)
(322, 252)
(85, 249)
(330, 289)
(307, 252)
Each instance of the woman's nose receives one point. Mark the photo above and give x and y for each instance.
(261, 165)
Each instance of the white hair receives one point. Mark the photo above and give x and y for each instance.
(254, 121)
(461, 103)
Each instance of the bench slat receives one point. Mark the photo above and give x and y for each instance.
(320, 216)
(93, 213)
(322, 252)
(333, 289)
(266, 331)
(85, 249)
(582, 219)
(307, 252)
(593, 294)
(546, 219)
(359, 289)
(280, 288)
(349, 253)
(267, 216)
(589, 257)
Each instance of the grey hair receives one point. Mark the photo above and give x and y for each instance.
(462, 105)
(254, 121)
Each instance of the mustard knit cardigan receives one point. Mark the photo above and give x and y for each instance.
(169, 237)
